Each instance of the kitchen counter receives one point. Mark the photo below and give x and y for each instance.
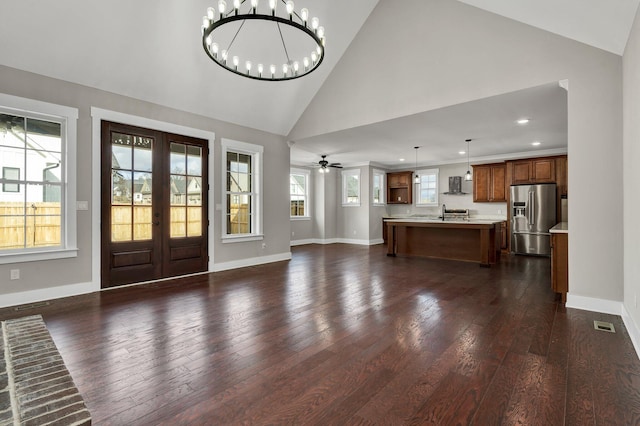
(560, 228)
(474, 240)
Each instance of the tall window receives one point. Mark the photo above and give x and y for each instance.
(242, 190)
(299, 193)
(427, 189)
(37, 141)
(351, 187)
(378, 188)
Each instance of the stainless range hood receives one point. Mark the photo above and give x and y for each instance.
(455, 186)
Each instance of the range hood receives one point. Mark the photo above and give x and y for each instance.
(455, 186)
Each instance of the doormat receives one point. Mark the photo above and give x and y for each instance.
(35, 385)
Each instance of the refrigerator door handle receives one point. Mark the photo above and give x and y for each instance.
(532, 208)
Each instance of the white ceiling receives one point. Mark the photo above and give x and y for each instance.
(441, 134)
(152, 51)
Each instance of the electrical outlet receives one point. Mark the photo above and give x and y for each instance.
(264, 245)
(293, 234)
(15, 274)
(499, 211)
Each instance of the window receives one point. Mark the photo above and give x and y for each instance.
(242, 201)
(299, 193)
(351, 187)
(427, 189)
(37, 201)
(378, 188)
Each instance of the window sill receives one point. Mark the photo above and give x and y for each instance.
(379, 204)
(35, 256)
(351, 205)
(241, 238)
(295, 218)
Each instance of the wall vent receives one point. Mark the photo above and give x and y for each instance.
(604, 326)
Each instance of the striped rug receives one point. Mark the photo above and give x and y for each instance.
(35, 386)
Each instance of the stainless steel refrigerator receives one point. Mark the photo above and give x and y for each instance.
(532, 213)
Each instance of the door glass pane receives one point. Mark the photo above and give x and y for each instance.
(178, 222)
(121, 151)
(194, 161)
(194, 221)
(142, 158)
(142, 188)
(178, 158)
(142, 223)
(178, 184)
(121, 187)
(121, 223)
(194, 191)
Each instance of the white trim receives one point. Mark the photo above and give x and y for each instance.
(301, 242)
(345, 174)
(383, 187)
(418, 187)
(632, 328)
(339, 241)
(256, 152)
(68, 119)
(50, 293)
(307, 192)
(241, 238)
(252, 261)
(592, 304)
(99, 114)
(299, 218)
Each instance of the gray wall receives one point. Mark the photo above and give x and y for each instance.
(631, 106)
(429, 54)
(53, 273)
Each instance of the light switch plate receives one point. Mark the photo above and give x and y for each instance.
(82, 205)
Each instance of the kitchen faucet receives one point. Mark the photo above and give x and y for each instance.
(444, 208)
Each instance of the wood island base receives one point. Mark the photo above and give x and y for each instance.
(466, 241)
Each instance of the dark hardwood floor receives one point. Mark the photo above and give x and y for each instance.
(346, 335)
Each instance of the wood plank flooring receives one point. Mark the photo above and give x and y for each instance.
(346, 335)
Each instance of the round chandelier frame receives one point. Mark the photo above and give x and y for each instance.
(287, 70)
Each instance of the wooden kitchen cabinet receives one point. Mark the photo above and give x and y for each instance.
(559, 264)
(535, 170)
(504, 236)
(490, 183)
(399, 188)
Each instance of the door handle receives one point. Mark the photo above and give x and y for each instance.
(532, 204)
(157, 222)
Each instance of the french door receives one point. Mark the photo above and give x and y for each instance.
(154, 205)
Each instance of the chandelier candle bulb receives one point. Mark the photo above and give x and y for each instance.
(272, 68)
(272, 5)
(236, 5)
(305, 62)
(222, 7)
(304, 15)
(248, 66)
(315, 23)
(285, 69)
(214, 49)
(260, 69)
(320, 32)
(289, 6)
(296, 67)
(236, 61)
(205, 22)
(254, 5)
(211, 13)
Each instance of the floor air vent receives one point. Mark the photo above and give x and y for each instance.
(31, 306)
(604, 326)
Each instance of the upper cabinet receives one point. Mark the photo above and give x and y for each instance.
(399, 188)
(490, 183)
(536, 170)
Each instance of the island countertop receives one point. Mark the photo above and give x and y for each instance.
(560, 228)
(444, 222)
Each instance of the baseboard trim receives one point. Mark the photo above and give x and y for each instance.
(604, 306)
(253, 261)
(301, 242)
(632, 328)
(51, 293)
(340, 241)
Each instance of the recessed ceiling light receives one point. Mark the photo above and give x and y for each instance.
(402, 159)
(462, 152)
(523, 121)
(536, 143)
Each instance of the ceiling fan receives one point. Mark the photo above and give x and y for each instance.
(324, 165)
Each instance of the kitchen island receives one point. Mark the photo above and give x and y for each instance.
(467, 240)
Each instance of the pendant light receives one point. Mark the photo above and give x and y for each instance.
(417, 178)
(467, 175)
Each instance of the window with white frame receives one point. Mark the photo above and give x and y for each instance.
(351, 187)
(243, 188)
(427, 189)
(299, 193)
(378, 188)
(37, 191)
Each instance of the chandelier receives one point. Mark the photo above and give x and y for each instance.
(256, 52)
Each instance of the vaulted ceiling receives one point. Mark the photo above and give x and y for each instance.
(152, 51)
